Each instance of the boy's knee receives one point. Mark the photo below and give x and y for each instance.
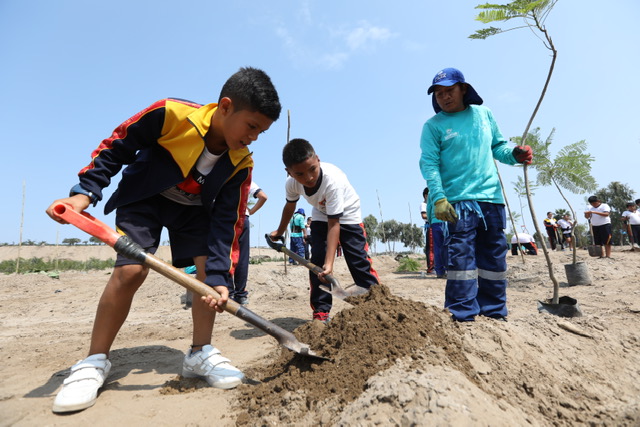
(131, 274)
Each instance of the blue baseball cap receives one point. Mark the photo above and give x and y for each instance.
(300, 211)
(449, 77)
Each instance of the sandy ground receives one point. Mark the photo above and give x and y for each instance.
(395, 357)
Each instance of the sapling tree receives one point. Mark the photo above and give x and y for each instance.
(516, 218)
(569, 170)
(521, 191)
(533, 15)
(506, 201)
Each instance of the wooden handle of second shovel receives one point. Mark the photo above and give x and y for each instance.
(301, 260)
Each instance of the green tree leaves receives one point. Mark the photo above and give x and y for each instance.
(392, 231)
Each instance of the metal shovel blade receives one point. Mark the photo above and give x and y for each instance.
(342, 293)
(334, 287)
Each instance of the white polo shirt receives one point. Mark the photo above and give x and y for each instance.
(599, 219)
(335, 198)
(633, 217)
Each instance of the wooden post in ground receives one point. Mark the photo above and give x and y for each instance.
(21, 225)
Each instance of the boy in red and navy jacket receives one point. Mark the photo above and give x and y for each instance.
(189, 170)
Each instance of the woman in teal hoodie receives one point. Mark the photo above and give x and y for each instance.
(459, 145)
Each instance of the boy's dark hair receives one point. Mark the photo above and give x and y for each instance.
(425, 192)
(592, 199)
(297, 151)
(637, 201)
(251, 89)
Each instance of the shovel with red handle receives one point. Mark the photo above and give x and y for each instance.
(128, 248)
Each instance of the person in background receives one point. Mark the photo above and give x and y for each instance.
(238, 292)
(298, 227)
(187, 298)
(598, 214)
(437, 246)
(525, 240)
(459, 145)
(632, 218)
(550, 225)
(428, 246)
(307, 239)
(566, 225)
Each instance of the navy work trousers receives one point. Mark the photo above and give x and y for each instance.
(477, 249)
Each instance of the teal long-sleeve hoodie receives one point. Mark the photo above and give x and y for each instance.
(457, 156)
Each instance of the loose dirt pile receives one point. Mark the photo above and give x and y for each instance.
(360, 342)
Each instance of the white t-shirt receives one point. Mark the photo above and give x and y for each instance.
(335, 198)
(599, 219)
(634, 217)
(523, 238)
(565, 225)
(188, 191)
(253, 191)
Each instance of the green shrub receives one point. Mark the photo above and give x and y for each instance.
(35, 265)
(408, 264)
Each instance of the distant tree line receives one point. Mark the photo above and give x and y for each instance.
(391, 232)
(71, 241)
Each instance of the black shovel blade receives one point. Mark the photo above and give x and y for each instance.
(566, 307)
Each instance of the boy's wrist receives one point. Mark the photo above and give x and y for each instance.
(78, 189)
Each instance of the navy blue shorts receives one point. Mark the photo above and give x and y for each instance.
(143, 222)
(602, 234)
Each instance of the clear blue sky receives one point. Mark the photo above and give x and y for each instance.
(353, 75)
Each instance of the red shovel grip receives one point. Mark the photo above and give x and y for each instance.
(87, 223)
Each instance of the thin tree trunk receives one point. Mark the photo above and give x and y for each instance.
(544, 89)
(575, 222)
(21, 226)
(556, 286)
(382, 223)
(57, 248)
(506, 201)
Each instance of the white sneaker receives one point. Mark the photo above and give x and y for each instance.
(80, 389)
(210, 365)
